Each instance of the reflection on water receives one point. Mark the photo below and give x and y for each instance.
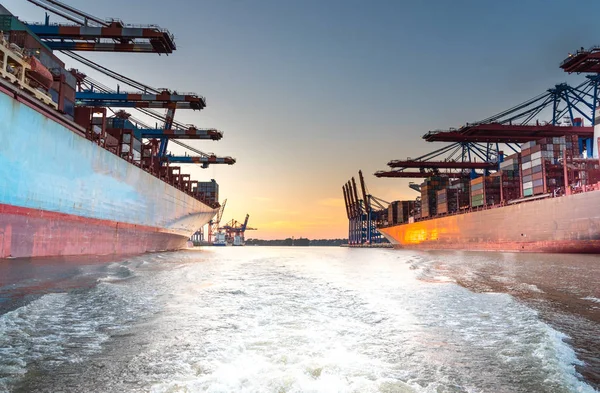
(299, 320)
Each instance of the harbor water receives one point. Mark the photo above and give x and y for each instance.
(269, 319)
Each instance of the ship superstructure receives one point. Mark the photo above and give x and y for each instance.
(79, 174)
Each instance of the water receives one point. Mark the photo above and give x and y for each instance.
(276, 320)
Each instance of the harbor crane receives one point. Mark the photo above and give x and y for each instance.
(234, 231)
(455, 160)
(93, 94)
(565, 107)
(363, 214)
(85, 32)
(213, 224)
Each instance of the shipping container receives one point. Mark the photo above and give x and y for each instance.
(69, 107)
(486, 190)
(405, 209)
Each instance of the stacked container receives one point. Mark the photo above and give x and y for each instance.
(447, 201)
(400, 211)
(510, 176)
(130, 139)
(485, 190)
(442, 201)
(541, 168)
(208, 191)
(462, 198)
(405, 208)
(393, 212)
(454, 197)
(63, 90)
(429, 190)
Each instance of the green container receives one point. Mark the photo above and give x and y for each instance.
(11, 23)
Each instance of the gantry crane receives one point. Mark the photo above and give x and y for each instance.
(565, 107)
(364, 215)
(93, 95)
(456, 160)
(100, 96)
(179, 131)
(86, 32)
(234, 231)
(213, 224)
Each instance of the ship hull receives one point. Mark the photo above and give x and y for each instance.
(36, 233)
(61, 194)
(569, 224)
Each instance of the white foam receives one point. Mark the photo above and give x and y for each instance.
(314, 322)
(60, 328)
(591, 299)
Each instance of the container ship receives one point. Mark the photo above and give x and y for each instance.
(79, 177)
(544, 197)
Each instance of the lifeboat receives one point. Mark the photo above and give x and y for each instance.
(39, 73)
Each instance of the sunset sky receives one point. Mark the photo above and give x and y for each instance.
(309, 92)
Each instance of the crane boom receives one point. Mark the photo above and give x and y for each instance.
(364, 191)
(346, 201)
(354, 190)
(352, 201)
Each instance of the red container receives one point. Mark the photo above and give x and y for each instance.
(515, 156)
(537, 176)
(68, 92)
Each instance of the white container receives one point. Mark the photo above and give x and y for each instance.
(536, 162)
(526, 165)
(527, 145)
(537, 154)
(529, 184)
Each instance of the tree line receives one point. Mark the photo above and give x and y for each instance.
(302, 242)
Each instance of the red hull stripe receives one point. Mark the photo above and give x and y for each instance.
(553, 246)
(26, 232)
